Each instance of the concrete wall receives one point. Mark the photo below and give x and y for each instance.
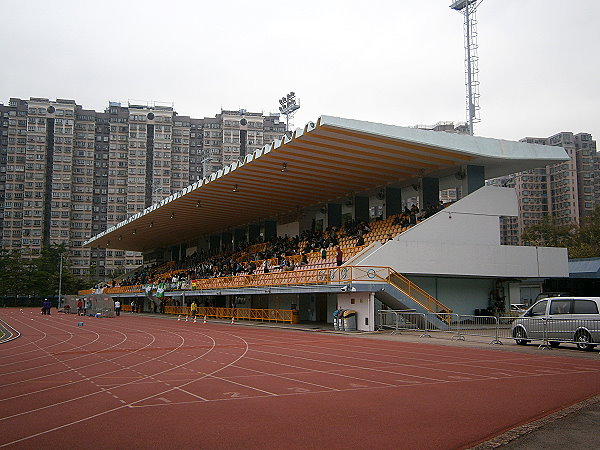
(363, 303)
(464, 240)
(291, 229)
(462, 295)
(431, 258)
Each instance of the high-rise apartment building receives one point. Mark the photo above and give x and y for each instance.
(567, 191)
(67, 173)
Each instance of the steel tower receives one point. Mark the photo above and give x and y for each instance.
(468, 9)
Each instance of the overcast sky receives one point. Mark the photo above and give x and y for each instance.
(399, 61)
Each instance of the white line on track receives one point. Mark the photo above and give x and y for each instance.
(21, 319)
(60, 427)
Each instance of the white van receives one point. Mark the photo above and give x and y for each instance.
(560, 319)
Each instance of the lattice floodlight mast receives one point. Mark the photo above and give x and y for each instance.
(468, 8)
(288, 108)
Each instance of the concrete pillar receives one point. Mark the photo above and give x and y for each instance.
(429, 192)
(215, 243)
(334, 215)
(361, 208)
(226, 238)
(239, 236)
(393, 201)
(253, 232)
(473, 177)
(270, 229)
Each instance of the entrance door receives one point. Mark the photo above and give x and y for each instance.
(321, 307)
(528, 294)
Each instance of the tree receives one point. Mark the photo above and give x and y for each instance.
(549, 233)
(582, 241)
(24, 276)
(587, 240)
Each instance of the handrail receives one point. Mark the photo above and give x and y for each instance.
(414, 291)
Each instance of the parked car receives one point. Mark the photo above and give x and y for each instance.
(542, 295)
(560, 319)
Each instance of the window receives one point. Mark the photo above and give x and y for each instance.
(560, 307)
(539, 309)
(585, 307)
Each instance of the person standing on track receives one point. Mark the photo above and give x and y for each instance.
(132, 306)
(79, 307)
(46, 306)
(194, 308)
(117, 307)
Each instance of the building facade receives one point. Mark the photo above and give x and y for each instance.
(567, 191)
(67, 173)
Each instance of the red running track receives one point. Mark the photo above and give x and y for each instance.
(147, 382)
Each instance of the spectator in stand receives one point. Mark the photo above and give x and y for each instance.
(304, 260)
(360, 241)
(339, 255)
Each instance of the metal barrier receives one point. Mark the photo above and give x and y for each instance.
(403, 320)
(585, 333)
(457, 325)
(269, 315)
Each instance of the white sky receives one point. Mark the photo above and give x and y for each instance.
(399, 61)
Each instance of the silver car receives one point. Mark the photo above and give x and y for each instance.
(560, 319)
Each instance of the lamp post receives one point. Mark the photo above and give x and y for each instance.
(60, 280)
(288, 108)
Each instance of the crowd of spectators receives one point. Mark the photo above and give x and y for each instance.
(279, 253)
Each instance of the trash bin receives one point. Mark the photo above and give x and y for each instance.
(349, 320)
(295, 316)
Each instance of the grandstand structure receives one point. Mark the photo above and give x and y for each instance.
(354, 183)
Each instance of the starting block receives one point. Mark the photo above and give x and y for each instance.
(79, 324)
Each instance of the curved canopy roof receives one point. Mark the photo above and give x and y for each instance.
(322, 162)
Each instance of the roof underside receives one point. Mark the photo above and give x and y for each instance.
(321, 163)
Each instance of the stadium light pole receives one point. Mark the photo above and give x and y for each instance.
(468, 8)
(288, 108)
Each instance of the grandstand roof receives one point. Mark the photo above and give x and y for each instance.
(323, 162)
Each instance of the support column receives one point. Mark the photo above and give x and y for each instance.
(253, 232)
(334, 215)
(473, 179)
(429, 192)
(239, 236)
(174, 253)
(393, 201)
(270, 229)
(361, 208)
(215, 243)
(226, 238)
